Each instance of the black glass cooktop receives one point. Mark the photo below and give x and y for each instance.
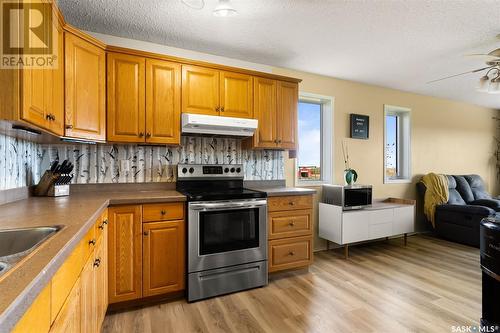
(223, 194)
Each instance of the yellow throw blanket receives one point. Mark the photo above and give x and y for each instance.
(436, 194)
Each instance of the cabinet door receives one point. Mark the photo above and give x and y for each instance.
(265, 109)
(85, 91)
(101, 279)
(54, 80)
(69, 319)
(200, 90)
(126, 98)
(125, 253)
(236, 95)
(288, 95)
(163, 257)
(163, 102)
(88, 297)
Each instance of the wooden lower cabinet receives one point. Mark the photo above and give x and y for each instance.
(101, 279)
(88, 297)
(125, 253)
(146, 250)
(37, 318)
(290, 232)
(69, 318)
(163, 262)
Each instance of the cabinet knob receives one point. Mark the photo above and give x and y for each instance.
(222, 109)
(101, 226)
(53, 117)
(148, 135)
(97, 262)
(217, 109)
(163, 212)
(291, 203)
(141, 134)
(92, 241)
(291, 224)
(279, 141)
(105, 222)
(69, 126)
(50, 116)
(291, 253)
(146, 233)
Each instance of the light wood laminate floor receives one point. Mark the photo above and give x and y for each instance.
(428, 286)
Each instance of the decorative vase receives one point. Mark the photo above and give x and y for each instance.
(350, 176)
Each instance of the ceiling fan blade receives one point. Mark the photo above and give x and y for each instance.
(483, 56)
(469, 72)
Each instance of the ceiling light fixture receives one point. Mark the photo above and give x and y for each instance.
(224, 9)
(490, 84)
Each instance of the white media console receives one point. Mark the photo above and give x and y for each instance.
(385, 218)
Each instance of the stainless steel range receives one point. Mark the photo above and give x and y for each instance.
(227, 231)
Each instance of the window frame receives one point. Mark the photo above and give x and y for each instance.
(326, 139)
(403, 144)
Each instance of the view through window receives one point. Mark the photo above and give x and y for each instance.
(309, 154)
(391, 146)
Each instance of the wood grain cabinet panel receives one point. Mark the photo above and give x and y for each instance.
(43, 91)
(200, 90)
(85, 89)
(236, 95)
(163, 211)
(290, 223)
(290, 253)
(125, 253)
(164, 257)
(69, 318)
(101, 279)
(163, 102)
(88, 297)
(37, 318)
(126, 98)
(265, 109)
(289, 202)
(288, 94)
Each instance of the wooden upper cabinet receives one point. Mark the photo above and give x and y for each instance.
(125, 253)
(126, 98)
(236, 95)
(163, 102)
(200, 90)
(164, 257)
(265, 110)
(288, 93)
(43, 91)
(85, 90)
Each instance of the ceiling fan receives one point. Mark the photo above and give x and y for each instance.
(490, 81)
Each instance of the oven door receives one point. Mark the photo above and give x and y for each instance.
(225, 233)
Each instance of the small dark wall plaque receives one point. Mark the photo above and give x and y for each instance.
(360, 126)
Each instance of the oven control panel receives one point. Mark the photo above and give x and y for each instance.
(209, 171)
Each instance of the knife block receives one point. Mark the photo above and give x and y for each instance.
(49, 186)
(58, 190)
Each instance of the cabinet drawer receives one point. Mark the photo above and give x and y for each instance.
(380, 230)
(163, 212)
(290, 253)
(101, 224)
(88, 244)
(290, 224)
(290, 202)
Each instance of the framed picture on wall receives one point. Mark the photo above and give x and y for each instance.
(360, 126)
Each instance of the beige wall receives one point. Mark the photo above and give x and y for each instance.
(447, 136)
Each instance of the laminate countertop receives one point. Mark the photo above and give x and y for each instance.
(282, 191)
(77, 213)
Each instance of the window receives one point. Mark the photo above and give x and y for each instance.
(315, 139)
(397, 155)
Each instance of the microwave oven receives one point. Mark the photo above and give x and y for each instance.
(349, 197)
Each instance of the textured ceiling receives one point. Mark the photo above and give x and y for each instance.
(397, 44)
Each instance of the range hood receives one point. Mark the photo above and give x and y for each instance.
(214, 125)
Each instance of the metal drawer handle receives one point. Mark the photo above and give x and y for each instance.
(97, 262)
(163, 212)
(105, 222)
(92, 241)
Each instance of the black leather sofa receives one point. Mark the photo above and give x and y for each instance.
(458, 220)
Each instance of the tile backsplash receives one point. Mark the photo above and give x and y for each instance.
(129, 163)
(19, 162)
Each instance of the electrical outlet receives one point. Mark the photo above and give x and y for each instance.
(124, 166)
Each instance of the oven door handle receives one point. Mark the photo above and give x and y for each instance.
(227, 205)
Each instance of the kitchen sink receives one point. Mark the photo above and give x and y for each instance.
(15, 244)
